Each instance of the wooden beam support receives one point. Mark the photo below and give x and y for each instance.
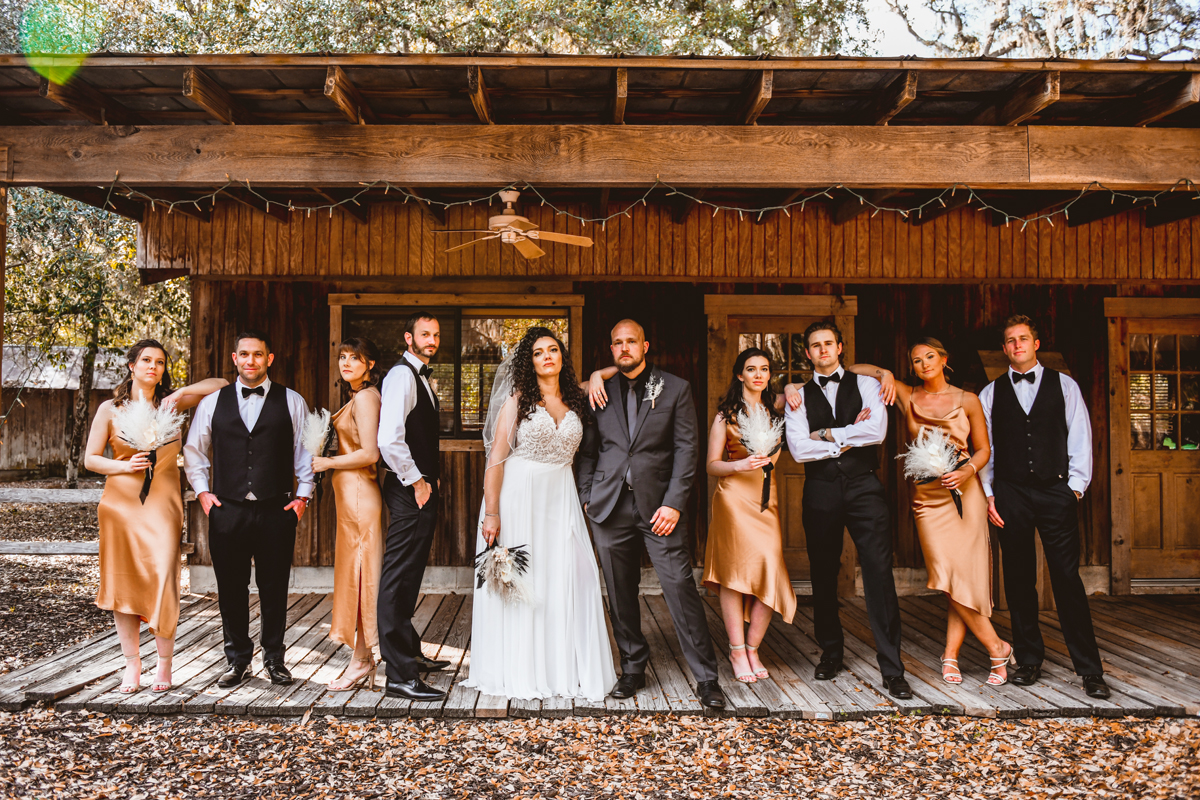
(149, 277)
(354, 209)
(272, 208)
(342, 91)
(601, 210)
(437, 212)
(684, 205)
(212, 97)
(1023, 204)
(756, 97)
(479, 98)
(1028, 98)
(100, 198)
(932, 212)
(1100, 205)
(1119, 158)
(620, 95)
(880, 109)
(850, 207)
(784, 199)
(1162, 101)
(1172, 208)
(86, 101)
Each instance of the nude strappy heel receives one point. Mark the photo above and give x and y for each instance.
(131, 688)
(744, 677)
(1002, 661)
(954, 677)
(367, 678)
(158, 687)
(762, 673)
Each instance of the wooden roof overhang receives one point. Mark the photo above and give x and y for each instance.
(753, 131)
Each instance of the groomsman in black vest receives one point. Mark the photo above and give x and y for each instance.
(1041, 465)
(409, 430)
(836, 435)
(254, 490)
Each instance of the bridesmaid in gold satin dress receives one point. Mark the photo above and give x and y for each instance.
(743, 561)
(139, 543)
(358, 553)
(958, 553)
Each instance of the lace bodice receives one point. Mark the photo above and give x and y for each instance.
(539, 439)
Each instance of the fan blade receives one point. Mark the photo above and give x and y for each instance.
(528, 249)
(471, 243)
(565, 238)
(522, 225)
(465, 230)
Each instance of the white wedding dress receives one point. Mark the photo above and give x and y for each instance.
(557, 646)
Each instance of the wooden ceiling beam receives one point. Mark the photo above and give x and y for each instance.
(756, 97)
(205, 92)
(346, 96)
(600, 210)
(479, 98)
(353, 208)
(1164, 100)
(1172, 208)
(88, 102)
(847, 208)
(1028, 98)
(103, 200)
(620, 96)
(932, 212)
(889, 102)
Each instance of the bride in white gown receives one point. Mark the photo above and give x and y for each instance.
(556, 645)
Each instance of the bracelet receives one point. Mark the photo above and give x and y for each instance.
(491, 515)
(972, 466)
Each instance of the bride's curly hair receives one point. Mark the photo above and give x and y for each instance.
(525, 382)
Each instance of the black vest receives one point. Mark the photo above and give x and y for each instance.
(422, 430)
(857, 460)
(1030, 449)
(259, 461)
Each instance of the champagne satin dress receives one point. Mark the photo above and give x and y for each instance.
(358, 552)
(745, 544)
(139, 544)
(958, 553)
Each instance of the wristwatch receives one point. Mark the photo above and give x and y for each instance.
(821, 434)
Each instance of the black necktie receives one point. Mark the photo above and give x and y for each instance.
(426, 372)
(1017, 377)
(825, 379)
(258, 390)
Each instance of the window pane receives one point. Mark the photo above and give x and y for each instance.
(1164, 352)
(1139, 431)
(1139, 391)
(773, 344)
(1166, 437)
(1191, 432)
(1139, 351)
(486, 341)
(1165, 392)
(1189, 352)
(1191, 392)
(799, 355)
(748, 340)
(777, 381)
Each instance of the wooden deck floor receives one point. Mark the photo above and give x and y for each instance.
(1150, 646)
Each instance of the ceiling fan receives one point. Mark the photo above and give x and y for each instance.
(511, 228)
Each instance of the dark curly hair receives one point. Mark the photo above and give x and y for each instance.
(734, 402)
(525, 381)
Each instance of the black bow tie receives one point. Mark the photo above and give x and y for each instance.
(425, 372)
(1017, 377)
(258, 390)
(825, 379)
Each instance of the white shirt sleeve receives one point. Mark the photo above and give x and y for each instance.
(867, 432)
(399, 399)
(1079, 436)
(196, 464)
(799, 444)
(985, 475)
(301, 458)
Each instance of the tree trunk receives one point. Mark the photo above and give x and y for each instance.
(83, 401)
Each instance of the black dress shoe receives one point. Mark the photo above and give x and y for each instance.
(233, 676)
(628, 685)
(416, 689)
(710, 694)
(897, 687)
(1095, 686)
(828, 669)
(278, 673)
(429, 665)
(1026, 675)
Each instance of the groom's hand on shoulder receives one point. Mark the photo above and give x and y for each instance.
(664, 520)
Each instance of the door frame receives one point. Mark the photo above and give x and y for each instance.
(1119, 310)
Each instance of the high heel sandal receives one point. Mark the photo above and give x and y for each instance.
(158, 687)
(1003, 661)
(367, 677)
(954, 677)
(761, 673)
(131, 688)
(743, 677)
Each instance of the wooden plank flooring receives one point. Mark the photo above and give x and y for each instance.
(1150, 647)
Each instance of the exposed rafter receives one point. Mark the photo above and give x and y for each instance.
(784, 200)
(1162, 101)
(620, 95)
(1028, 203)
(272, 208)
(601, 209)
(682, 206)
(479, 98)
(848, 208)
(437, 212)
(1098, 206)
(185, 203)
(205, 92)
(354, 209)
(932, 212)
(342, 91)
(756, 97)
(1028, 98)
(1173, 208)
(889, 102)
(102, 199)
(89, 103)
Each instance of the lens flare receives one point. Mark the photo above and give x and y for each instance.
(56, 37)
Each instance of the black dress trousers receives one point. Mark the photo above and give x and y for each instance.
(262, 531)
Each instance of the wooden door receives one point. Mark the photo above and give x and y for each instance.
(758, 324)
(1156, 419)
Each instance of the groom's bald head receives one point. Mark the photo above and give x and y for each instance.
(628, 327)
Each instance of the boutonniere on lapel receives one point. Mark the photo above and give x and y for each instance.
(654, 388)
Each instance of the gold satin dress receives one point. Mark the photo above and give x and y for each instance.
(358, 552)
(958, 552)
(745, 544)
(139, 544)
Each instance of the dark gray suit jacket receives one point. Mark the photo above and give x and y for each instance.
(663, 453)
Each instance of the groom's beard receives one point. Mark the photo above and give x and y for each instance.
(630, 366)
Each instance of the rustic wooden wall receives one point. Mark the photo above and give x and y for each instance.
(35, 435)
(399, 241)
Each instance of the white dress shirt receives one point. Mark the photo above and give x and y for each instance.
(863, 434)
(399, 397)
(196, 463)
(1079, 426)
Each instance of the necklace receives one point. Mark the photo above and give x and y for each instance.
(926, 391)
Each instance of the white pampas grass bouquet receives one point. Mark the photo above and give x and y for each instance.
(317, 438)
(930, 456)
(146, 427)
(504, 571)
(761, 435)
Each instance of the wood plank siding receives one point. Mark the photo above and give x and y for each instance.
(400, 242)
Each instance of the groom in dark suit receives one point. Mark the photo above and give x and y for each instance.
(637, 466)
